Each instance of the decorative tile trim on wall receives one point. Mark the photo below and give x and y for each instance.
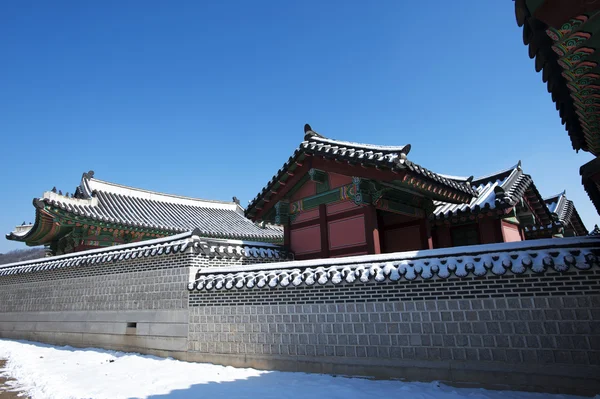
(190, 242)
(479, 261)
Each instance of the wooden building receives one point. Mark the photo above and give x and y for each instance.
(506, 206)
(337, 198)
(332, 198)
(101, 214)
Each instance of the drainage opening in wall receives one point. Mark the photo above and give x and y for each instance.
(131, 328)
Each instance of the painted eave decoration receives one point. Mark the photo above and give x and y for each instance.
(517, 258)
(370, 157)
(563, 36)
(189, 242)
(590, 173)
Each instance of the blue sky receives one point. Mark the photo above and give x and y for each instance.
(208, 99)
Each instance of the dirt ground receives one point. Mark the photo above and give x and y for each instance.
(3, 393)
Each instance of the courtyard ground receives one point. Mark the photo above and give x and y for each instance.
(43, 371)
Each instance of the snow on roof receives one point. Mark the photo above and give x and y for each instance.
(486, 195)
(122, 205)
(108, 187)
(478, 260)
(339, 143)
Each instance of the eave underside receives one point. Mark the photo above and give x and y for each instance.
(563, 41)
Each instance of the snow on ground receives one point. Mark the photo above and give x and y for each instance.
(44, 371)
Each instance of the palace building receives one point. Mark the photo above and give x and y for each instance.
(331, 198)
(337, 198)
(101, 214)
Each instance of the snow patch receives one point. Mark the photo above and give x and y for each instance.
(49, 372)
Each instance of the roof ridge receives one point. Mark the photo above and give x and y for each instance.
(500, 172)
(311, 135)
(564, 192)
(123, 190)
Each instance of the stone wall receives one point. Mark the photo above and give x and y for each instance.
(93, 305)
(488, 320)
(136, 303)
(533, 331)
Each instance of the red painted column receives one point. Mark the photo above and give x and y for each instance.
(372, 230)
(324, 231)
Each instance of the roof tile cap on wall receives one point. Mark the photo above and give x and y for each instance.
(478, 260)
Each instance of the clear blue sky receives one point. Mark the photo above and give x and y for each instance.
(209, 98)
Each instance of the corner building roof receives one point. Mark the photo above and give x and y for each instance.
(113, 204)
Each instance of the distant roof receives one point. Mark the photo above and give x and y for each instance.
(500, 190)
(369, 155)
(108, 202)
(566, 212)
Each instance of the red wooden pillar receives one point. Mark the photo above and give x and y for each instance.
(324, 231)
(372, 230)
(498, 229)
(425, 229)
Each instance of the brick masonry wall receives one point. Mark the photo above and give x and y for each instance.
(544, 325)
(98, 305)
(93, 305)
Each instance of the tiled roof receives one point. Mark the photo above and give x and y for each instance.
(380, 156)
(384, 157)
(589, 172)
(563, 42)
(500, 190)
(566, 213)
(107, 202)
(478, 260)
(162, 246)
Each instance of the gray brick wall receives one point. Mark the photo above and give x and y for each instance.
(143, 283)
(92, 305)
(533, 321)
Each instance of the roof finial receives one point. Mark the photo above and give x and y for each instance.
(405, 150)
(308, 132)
(53, 189)
(236, 200)
(89, 175)
(59, 192)
(519, 164)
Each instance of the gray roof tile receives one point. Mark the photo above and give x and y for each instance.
(112, 203)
